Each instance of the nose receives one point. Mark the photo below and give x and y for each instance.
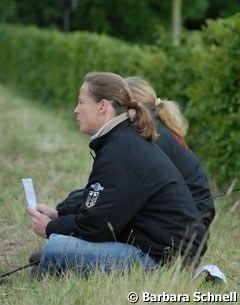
(75, 111)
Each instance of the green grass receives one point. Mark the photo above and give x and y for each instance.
(40, 143)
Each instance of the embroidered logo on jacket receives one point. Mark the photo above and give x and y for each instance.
(93, 195)
(97, 187)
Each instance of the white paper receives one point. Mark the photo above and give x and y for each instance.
(29, 192)
(212, 270)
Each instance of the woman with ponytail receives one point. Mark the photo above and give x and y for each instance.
(135, 207)
(172, 127)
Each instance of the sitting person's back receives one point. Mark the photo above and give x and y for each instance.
(172, 127)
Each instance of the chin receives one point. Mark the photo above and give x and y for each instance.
(85, 131)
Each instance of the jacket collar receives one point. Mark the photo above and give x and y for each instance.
(110, 125)
(99, 138)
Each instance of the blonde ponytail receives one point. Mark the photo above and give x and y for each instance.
(169, 113)
(166, 111)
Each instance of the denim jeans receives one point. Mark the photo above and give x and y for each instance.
(66, 252)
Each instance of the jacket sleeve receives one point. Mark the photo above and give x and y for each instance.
(71, 204)
(114, 194)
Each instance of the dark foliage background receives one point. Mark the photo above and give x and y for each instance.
(131, 20)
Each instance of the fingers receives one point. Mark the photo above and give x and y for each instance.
(42, 207)
(48, 211)
(32, 211)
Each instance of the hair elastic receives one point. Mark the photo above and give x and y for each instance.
(133, 105)
(158, 102)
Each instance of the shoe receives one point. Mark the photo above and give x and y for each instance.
(35, 257)
(38, 272)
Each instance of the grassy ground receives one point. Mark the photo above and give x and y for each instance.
(40, 143)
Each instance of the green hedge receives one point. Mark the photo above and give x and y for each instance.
(203, 74)
(49, 66)
(214, 108)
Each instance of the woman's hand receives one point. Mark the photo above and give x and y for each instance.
(39, 222)
(46, 210)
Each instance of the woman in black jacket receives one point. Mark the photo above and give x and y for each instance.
(172, 127)
(135, 207)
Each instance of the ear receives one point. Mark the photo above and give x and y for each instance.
(103, 106)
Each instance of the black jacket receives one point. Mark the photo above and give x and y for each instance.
(134, 195)
(190, 168)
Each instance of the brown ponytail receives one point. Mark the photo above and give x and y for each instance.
(143, 123)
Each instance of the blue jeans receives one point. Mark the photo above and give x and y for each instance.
(66, 252)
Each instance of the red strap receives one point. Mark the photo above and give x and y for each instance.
(180, 140)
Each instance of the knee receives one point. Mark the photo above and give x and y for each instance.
(54, 249)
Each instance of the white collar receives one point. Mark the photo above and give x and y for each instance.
(110, 125)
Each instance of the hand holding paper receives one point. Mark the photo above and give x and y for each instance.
(29, 192)
(39, 222)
